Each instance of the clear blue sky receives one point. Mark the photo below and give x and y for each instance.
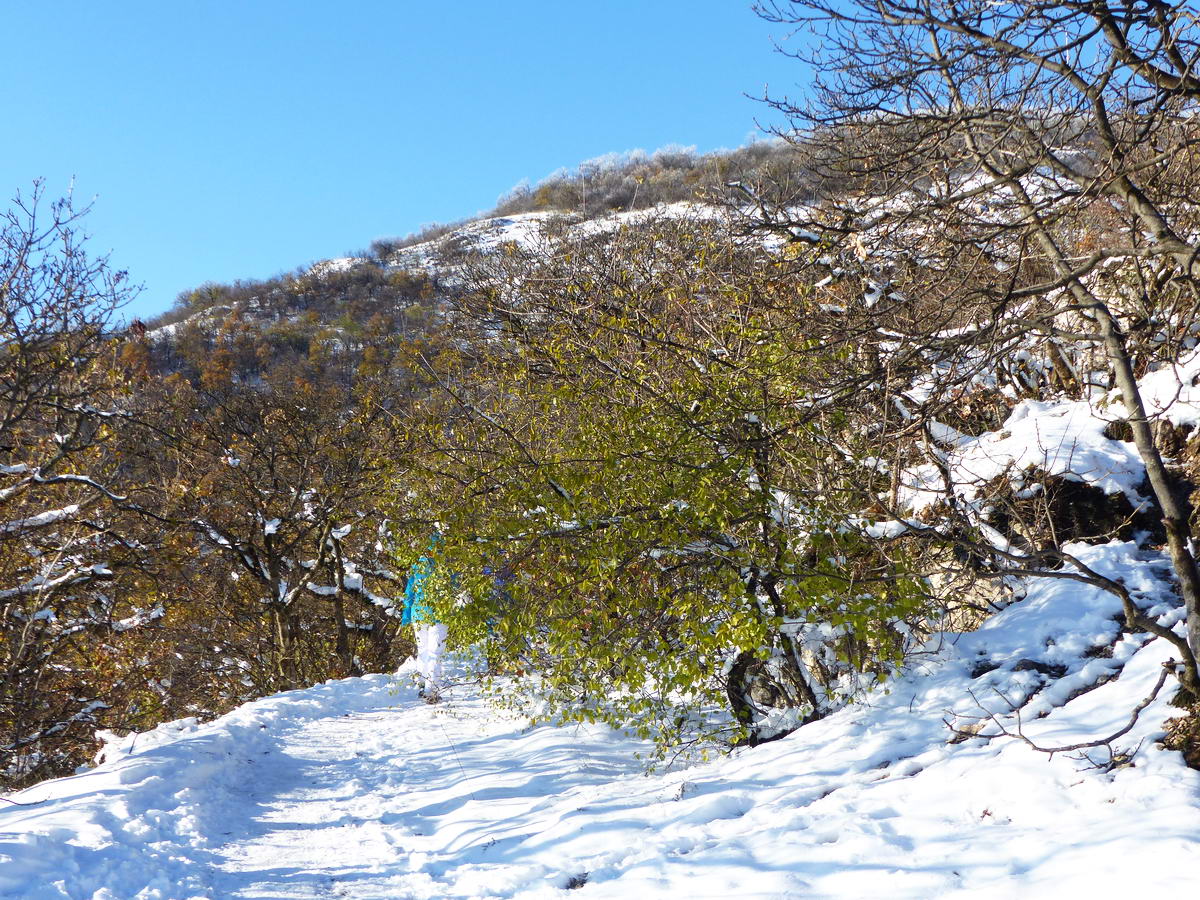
(226, 140)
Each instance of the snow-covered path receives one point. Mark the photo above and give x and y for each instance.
(357, 789)
(323, 790)
(349, 789)
(379, 803)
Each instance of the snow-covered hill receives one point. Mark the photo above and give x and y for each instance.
(441, 258)
(358, 789)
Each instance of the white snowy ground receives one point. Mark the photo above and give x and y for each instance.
(357, 789)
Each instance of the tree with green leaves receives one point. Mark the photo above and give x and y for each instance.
(641, 440)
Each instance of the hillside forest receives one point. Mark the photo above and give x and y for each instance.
(679, 431)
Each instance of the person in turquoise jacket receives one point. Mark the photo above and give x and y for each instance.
(430, 633)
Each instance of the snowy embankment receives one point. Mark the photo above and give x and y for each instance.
(357, 789)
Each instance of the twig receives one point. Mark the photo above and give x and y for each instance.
(1168, 668)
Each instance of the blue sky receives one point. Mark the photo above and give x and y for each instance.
(226, 140)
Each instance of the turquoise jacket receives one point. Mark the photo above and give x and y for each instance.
(415, 607)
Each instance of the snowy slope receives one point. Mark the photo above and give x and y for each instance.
(1058, 438)
(357, 789)
(442, 257)
(529, 232)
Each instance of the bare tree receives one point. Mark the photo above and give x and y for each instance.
(62, 541)
(1011, 178)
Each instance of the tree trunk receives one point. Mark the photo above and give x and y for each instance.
(1162, 485)
(287, 632)
(736, 690)
(344, 652)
